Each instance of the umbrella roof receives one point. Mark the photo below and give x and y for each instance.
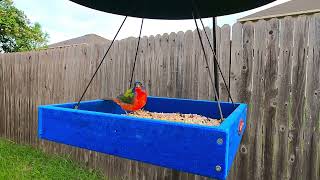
(171, 9)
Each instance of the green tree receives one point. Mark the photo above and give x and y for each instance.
(17, 33)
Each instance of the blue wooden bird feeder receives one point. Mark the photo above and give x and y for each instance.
(104, 127)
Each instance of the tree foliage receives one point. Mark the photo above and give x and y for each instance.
(17, 33)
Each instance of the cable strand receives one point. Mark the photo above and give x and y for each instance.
(215, 56)
(208, 68)
(94, 74)
(135, 58)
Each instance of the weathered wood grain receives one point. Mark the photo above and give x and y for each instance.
(270, 96)
(283, 98)
(236, 62)
(196, 60)
(243, 160)
(205, 88)
(162, 56)
(172, 66)
(312, 108)
(257, 99)
(235, 75)
(299, 61)
(179, 59)
(224, 62)
(186, 63)
(2, 122)
(217, 52)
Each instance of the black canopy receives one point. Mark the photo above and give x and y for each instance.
(172, 9)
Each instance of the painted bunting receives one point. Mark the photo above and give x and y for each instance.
(133, 99)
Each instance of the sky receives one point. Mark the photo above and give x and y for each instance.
(63, 19)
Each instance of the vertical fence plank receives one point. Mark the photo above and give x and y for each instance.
(312, 111)
(270, 96)
(144, 61)
(218, 44)
(172, 66)
(235, 77)
(211, 55)
(158, 64)
(186, 64)
(123, 68)
(243, 162)
(148, 63)
(298, 97)
(256, 111)
(196, 56)
(162, 56)
(151, 46)
(224, 62)
(2, 107)
(236, 62)
(283, 98)
(203, 78)
(178, 58)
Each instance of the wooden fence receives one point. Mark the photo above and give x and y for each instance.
(275, 68)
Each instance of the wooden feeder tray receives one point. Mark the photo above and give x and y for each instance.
(104, 127)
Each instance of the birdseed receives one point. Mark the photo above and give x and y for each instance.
(177, 117)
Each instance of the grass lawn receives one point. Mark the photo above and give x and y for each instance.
(22, 162)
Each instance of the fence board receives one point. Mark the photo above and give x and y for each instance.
(2, 109)
(172, 66)
(243, 161)
(162, 55)
(224, 62)
(236, 62)
(311, 130)
(283, 98)
(270, 96)
(205, 90)
(257, 104)
(197, 58)
(186, 64)
(178, 58)
(298, 97)
(235, 75)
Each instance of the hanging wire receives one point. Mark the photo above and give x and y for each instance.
(135, 58)
(215, 55)
(94, 74)
(208, 68)
(215, 68)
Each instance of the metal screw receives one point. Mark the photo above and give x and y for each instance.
(218, 168)
(219, 141)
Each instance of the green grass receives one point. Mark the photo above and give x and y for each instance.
(22, 162)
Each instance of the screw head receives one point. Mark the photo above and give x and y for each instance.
(220, 141)
(218, 168)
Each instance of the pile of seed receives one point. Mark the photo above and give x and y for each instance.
(177, 117)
